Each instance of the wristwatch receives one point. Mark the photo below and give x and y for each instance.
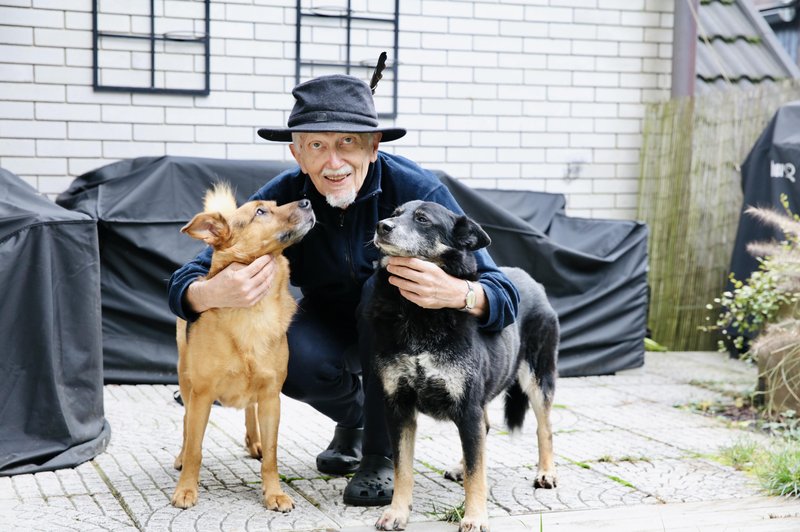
(469, 298)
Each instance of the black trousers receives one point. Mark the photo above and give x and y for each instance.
(329, 345)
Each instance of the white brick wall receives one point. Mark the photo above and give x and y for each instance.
(512, 93)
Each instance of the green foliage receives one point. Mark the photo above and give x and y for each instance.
(780, 471)
(742, 455)
(786, 424)
(769, 294)
(652, 345)
(750, 306)
(622, 481)
(450, 515)
(432, 467)
(777, 465)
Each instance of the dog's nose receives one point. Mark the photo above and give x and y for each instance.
(304, 204)
(385, 227)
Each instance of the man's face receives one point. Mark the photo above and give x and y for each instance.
(337, 163)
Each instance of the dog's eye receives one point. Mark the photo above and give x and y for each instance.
(260, 212)
(420, 218)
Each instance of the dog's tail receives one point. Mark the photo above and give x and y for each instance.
(536, 378)
(516, 407)
(220, 198)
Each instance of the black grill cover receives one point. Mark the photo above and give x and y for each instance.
(595, 276)
(51, 373)
(771, 168)
(594, 272)
(140, 205)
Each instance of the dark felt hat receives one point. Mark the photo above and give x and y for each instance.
(336, 103)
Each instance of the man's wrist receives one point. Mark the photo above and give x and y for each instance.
(469, 297)
(194, 297)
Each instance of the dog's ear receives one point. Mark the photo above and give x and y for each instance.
(469, 235)
(210, 227)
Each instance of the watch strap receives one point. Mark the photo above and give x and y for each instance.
(469, 298)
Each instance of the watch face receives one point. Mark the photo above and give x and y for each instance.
(470, 299)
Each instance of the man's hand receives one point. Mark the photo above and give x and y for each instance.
(238, 285)
(427, 285)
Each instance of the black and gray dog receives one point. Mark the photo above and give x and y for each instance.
(439, 363)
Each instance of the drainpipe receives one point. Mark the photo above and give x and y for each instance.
(684, 48)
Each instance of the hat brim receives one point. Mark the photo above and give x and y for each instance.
(285, 134)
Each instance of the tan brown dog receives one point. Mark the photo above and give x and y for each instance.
(239, 355)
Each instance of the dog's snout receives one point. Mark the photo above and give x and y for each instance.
(304, 204)
(385, 227)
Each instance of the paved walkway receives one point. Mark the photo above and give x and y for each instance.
(627, 460)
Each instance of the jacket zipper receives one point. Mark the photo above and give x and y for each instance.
(347, 251)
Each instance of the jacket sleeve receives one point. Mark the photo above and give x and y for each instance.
(180, 280)
(198, 267)
(501, 294)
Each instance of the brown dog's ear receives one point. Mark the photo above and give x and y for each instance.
(469, 235)
(210, 227)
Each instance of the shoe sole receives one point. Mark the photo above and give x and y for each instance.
(326, 469)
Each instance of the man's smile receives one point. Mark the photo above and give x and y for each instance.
(337, 178)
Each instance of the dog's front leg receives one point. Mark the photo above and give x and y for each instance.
(403, 430)
(472, 430)
(198, 409)
(269, 415)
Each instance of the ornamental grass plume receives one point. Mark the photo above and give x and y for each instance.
(769, 295)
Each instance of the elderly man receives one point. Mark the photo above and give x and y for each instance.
(335, 136)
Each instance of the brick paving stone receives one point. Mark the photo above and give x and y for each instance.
(639, 415)
(573, 396)
(581, 488)
(586, 446)
(702, 440)
(621, 381)
(701, 366)
(618, 440)
(674, 394)
(685, 480)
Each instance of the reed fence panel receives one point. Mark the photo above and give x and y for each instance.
(690, 196)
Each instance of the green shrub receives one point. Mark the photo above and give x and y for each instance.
(770, 294)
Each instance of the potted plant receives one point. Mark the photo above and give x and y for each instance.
(765, 307)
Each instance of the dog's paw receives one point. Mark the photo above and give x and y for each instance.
(474, 524)
(278, 502)
(456, 474)
(545, 480)
(184, 497)
(253, 447)
(392, 520)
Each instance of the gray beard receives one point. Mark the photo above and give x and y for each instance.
(341, 201)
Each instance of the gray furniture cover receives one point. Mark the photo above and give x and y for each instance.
(771, 168)
(595, 271)
(51, 373)
(140, 205)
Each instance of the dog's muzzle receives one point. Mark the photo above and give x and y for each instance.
(384, 227)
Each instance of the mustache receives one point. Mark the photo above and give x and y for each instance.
(344, 170)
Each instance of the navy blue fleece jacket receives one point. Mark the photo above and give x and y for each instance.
(337, 256)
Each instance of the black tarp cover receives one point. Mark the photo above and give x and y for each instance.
(771, 168)
(596, 276)
(140, 205)
(51, 374)
(594, 272)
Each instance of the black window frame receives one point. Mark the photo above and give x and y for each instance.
(153, 38)
(348, 15)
